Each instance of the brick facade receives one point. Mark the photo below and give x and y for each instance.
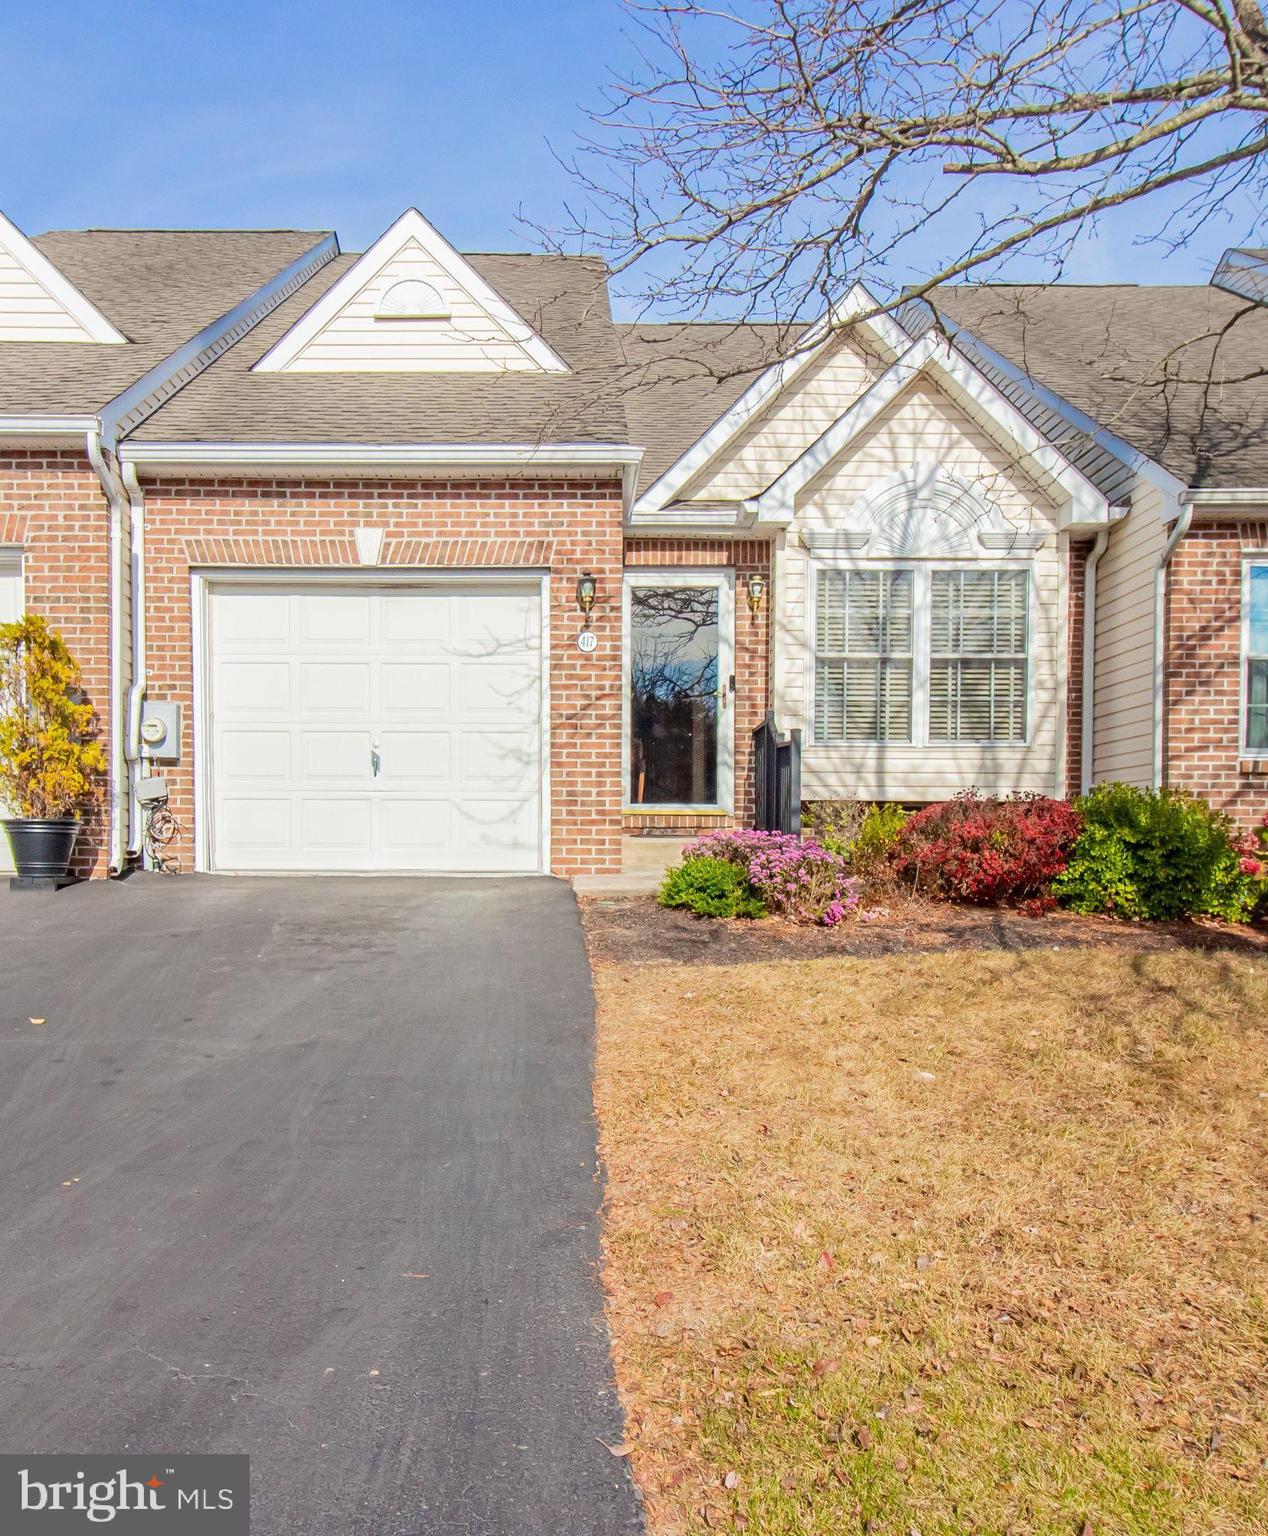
(1203, 736)
(572, 526)
(745, 558)
(52, 505)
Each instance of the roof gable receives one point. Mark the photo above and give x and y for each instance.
(37, 303)
(933, 355)
(762, 392)
(411, 304)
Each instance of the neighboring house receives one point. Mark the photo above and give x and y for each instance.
(337, 519)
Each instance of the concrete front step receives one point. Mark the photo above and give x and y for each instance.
(644, 861)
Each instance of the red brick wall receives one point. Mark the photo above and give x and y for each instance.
(746, 557)
(573, 526)
(1204, 673)
(1076, 586)
(51, 503)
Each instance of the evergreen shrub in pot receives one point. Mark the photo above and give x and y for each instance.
(50, 762)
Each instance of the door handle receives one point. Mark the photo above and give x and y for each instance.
(376, 761)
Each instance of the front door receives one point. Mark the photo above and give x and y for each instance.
(679, 692)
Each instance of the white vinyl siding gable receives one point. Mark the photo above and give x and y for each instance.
(799, 415)
(361, 338)
(28, 311)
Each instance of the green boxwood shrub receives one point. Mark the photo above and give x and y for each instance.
(1157, 855)
(711, 888)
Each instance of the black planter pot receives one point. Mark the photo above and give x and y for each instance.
(42, 849)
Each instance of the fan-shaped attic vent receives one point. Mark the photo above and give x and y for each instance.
(412, 300)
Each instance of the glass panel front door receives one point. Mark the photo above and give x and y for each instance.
(675, 694)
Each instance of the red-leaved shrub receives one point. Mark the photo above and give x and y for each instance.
(989, 851)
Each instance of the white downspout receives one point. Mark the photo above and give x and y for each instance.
(136, 502)
(1089, 656)
(1178, 531)
(118, 801)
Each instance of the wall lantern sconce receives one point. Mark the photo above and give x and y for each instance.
(756, 592)
(587, 591)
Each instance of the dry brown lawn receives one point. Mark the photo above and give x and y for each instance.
(945, 1243)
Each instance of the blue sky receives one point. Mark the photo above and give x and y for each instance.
(275, 113)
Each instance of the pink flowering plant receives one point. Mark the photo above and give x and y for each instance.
(796, 879)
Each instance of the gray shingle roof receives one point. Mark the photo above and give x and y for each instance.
(563, 297)
(680, 378)
(1176, 372)
(158, 287)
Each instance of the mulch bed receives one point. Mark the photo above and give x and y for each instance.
(626, 930)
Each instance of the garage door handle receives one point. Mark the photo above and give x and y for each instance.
(376, 762)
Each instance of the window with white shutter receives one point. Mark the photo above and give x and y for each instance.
(920, 654)
(863, 655)
(977, 655)
(1257, 659)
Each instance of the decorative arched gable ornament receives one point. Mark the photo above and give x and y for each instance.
(924, 512)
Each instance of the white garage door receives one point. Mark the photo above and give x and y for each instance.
(388, 728)
(10, 609)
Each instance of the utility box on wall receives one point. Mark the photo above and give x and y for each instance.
(160, 731)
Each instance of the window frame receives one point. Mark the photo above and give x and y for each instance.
(921, 639)
(911, 655)
(1245, 656)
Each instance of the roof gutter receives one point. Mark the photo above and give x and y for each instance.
(288, 454)
(14, 425)
(1183, 518)
(140, 676)
(117, 500)
(1234, 496)
(1088, 700)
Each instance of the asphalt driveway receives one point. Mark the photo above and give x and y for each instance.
(306, 1168)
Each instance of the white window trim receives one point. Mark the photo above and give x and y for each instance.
(651, 576)
(1254, 754)
(12, 564)
(922, 613)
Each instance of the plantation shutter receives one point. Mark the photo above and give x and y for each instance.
(863, 629)
(977, 662)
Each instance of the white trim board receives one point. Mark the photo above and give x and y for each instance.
(90, 323)
(768, 384)
(933, 352)
(410, 227)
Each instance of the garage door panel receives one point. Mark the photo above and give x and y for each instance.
(249, 689)
(411, 827)
(256, 755)
(417, 618)
(252, 618)
(255, 824)
(423, 755)
(499, 760)
(334, 619)
(325, 756)
(447, 683)
(495, 825)
(489, 622)
(411, 687)
(334, 688)
(498, 690)
(337, 822)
